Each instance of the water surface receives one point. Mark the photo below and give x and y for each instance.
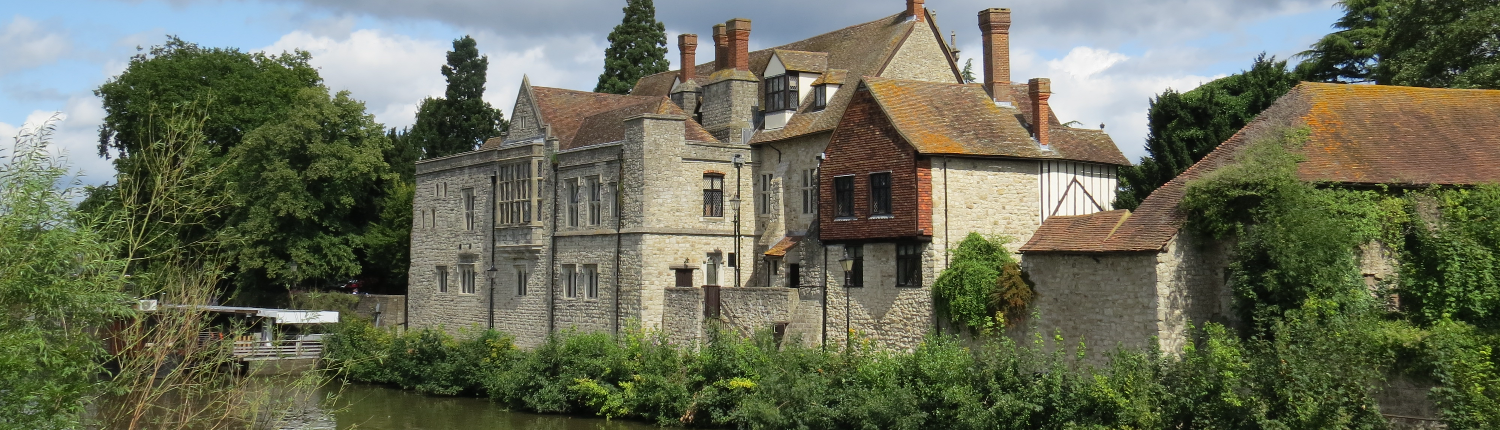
(379, 408)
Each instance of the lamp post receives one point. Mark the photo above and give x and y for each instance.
(848, 263)
(490, 273)
(738, 161)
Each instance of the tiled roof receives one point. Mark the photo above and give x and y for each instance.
(833, 76)
(1359, 134)
(802, 61)
(1073, 233)
(609, 125)
(961, 119)
(1082, 144)
(861, 49)
(595, 116)
(780, 248)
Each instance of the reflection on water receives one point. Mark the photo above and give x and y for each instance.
(378, 408)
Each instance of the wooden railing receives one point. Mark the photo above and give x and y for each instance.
(277, 350)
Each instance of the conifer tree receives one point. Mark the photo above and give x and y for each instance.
(461, 119)
(1185, 127)
(637, 47)
(968, 73)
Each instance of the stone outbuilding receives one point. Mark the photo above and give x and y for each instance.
(1121, 278)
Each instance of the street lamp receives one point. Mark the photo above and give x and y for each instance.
(848, 263)
(738, 161)
(490, 273)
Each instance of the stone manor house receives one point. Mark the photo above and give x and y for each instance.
(740, 189)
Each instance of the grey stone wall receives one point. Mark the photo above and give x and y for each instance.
(441, 237)
(728, 102)
(921, 58)
(382, 310)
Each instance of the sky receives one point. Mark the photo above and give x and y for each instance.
(1106, 58)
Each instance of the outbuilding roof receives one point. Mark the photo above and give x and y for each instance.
(1358, 134)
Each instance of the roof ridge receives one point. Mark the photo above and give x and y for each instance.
(784, 45)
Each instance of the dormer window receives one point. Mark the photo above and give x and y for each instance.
(781, 92)
(820, 97)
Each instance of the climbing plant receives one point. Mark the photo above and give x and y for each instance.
(984, 288)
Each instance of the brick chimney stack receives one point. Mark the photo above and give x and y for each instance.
(687, 46)
(1040, 89)
(738, 30)
(914, 10)
(994, 25)
(721, 48)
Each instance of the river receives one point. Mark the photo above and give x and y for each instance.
(368, 407)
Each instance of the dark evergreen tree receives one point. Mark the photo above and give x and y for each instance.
(1424, 43)
(403, 154)
(1185, 127)
(460, 120)
(637, 48)
(968, 73)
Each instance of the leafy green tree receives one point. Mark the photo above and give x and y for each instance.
(1423, 43)
(241, 91)
(308, 187)
(1185, 127)
(637, 48)
(58, 283)
(460, 120)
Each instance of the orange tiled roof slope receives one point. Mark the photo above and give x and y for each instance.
(780, 248)
(859, 50)
(598, 116)
(961, 119)
(1359, 134)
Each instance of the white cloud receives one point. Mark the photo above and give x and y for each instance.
(391, 73)
(25, 43)
(1094, 86)
(74, 137)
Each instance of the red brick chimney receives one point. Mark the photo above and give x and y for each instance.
(739, 43)
(914, 10)
(994, 25)
(1040, 89)
(687, 46)
(721, 48)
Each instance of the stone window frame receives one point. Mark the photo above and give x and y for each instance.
(521, 280)
(880, 195)
(468, 279)
(572, 198)
(442, 278)
(570, 280)
(596, 199)
(810, 191)
(713, 195)
(468, 199)
(591, 281)
(909, 265)
(843, 198)
(515, 193)
(763, 192)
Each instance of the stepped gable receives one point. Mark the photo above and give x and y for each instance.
(1359, 135)
(609, 125)
(962, 119)
(859, 50)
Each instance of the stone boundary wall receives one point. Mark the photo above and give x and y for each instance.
(383, 310)
(682, 320)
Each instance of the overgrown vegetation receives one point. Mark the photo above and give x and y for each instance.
(1297, 257)
(983, 288)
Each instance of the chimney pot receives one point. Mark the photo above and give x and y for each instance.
(914, 9)
(721, 47)
(1040, 89)
(994, 26)
(738, 34)
(687, 47)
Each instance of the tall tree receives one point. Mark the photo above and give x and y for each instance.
(241, 91)
(1185, 127)
(1425, 43)
(637, 48)
(461, 119)
(308, 188)
(968, 73)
